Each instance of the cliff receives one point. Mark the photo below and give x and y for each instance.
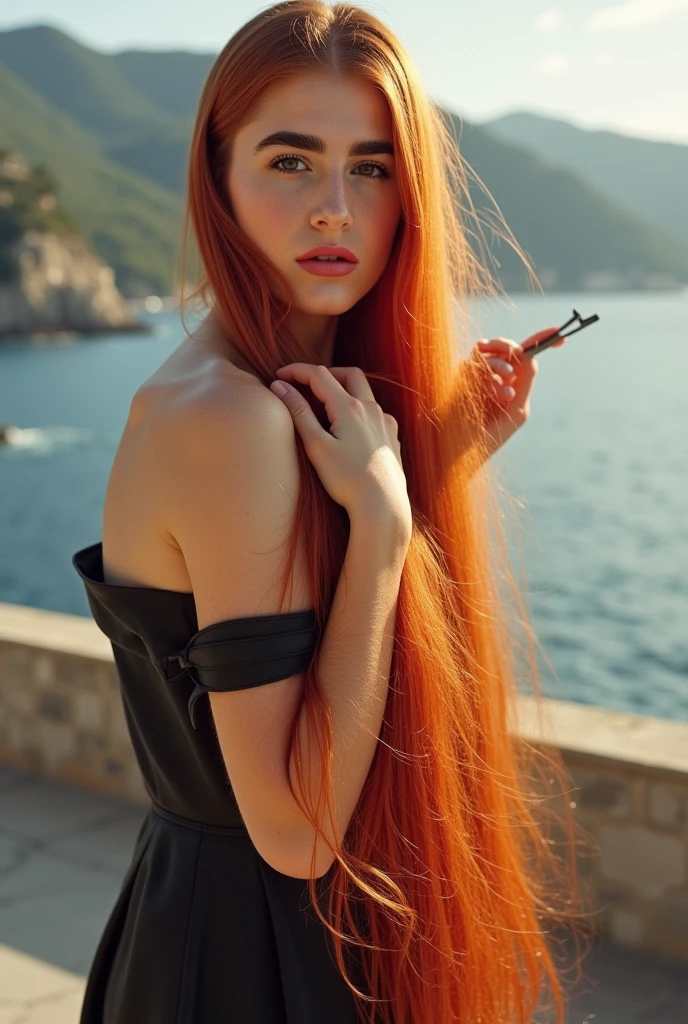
(61, 286)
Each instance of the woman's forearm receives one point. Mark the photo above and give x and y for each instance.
(354, 666)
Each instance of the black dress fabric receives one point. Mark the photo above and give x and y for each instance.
(204, 930)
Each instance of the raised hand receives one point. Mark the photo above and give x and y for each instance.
(359, 459)
(509, 379)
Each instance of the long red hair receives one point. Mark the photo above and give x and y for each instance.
(448, 883)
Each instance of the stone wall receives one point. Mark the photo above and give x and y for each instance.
(630, 790)
(60, 707)
(61, 716)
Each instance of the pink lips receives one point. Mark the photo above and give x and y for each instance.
(328, 268)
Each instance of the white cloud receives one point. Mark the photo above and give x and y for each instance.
(548, 20)
(554, 64)
(635, 14)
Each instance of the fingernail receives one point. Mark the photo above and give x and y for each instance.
(279, 388)
(509, 391)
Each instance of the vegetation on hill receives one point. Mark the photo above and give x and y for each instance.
(131, 222)
(28, 200)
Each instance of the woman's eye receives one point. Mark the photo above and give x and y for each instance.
(286, 159)
(384, 173)
(281, 160)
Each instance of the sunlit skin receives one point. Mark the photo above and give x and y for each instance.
(333, 198)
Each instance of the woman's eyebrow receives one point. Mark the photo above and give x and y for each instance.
(364, 147)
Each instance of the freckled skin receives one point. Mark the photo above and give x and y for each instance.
(332, 199)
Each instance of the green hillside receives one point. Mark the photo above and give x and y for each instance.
(643, 175)
(130, 221)
(172, 80)
(161, 156)
(87, 85)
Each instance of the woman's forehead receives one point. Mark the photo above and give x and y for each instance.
(336, 102)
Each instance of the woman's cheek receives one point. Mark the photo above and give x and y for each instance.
(260, 203)
(386, 232)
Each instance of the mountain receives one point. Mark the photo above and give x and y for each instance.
(642, 175)
(573, 231)
(137, 106)
(115, 129)
(88, 86)
(172, 80)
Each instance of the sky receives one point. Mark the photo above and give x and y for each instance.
(619, 66)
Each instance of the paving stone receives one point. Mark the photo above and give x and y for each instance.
(62, 1009)
(45, 896)
(11, 778)
(45, 809)
(24, 978)
(627, 986)
(105, 849)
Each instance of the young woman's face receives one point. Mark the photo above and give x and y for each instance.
(293, 195)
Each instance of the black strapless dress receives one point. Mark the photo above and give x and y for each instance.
(204, 930)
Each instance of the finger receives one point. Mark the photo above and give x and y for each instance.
(540, 336)
(354, 380)
(305, 420)
(502, 392)
(501, 367)
(504, 346)
(321, 382)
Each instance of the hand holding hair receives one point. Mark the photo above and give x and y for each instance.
(359, 459)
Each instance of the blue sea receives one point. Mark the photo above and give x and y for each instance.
(600, 470)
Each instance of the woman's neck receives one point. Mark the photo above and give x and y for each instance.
(318, 334)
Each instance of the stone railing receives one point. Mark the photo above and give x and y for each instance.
(60, 706)
(61, 716)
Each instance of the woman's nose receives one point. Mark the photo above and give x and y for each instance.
(332, 206)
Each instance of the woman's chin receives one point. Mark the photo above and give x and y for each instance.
(325, 305)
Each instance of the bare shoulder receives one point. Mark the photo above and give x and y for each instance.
(229, 402)
(229, 461)
(226, 425)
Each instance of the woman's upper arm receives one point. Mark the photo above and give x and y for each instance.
(231, 514)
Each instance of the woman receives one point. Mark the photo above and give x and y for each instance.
(295, 527)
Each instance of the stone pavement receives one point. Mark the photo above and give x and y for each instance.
(63, 852)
